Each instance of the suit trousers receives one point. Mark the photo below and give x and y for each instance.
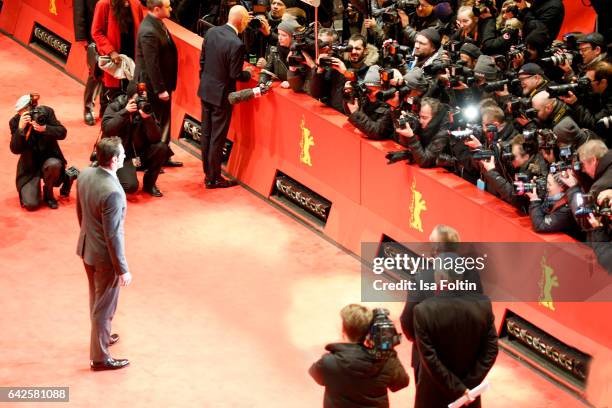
(30, 192)
(215, 125)
(103, 297)
(152, 159)
(163, 113)
(93, 87)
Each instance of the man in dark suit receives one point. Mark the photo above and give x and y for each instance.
(101, 207)
(456, 342)
(83, 11)
(220, 67)
(157, 65)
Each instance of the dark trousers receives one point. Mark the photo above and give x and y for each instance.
(93, 87)
(215, 124)
(30, 192)
(103, 297)
(163, 110)
(153, 157)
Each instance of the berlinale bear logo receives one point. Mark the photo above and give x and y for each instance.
(306, 143)
(52, 7)
(417, 206)
(548, 281)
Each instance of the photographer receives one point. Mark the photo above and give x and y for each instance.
(430, 137)
(469, 53)
(596, 161)
(500, 43)
(550, 111)
(371, 115)
(476, 30)
(593, 48)
(546, 14)
(590, 111)
(552, 214)
(352, 375)
(532, 79)
(34, 135)
(131, 118)
(328, 83)
(276, 56)
(427, 47)
(531, 165)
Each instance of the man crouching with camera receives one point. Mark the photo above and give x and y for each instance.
(358, 373)
(35, 132)
(131, 118)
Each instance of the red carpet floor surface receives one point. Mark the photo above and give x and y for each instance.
(231, 302)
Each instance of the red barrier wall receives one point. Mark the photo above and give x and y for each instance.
(369, 198)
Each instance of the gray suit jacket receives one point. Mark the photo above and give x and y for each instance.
(101, 208)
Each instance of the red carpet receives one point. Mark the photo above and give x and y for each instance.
(231, 302)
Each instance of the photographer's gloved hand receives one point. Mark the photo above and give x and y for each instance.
(570, 98)
(473, 143)
(568, 178)
(24, 120)
(488, 165)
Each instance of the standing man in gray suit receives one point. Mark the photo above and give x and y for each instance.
(101, 207)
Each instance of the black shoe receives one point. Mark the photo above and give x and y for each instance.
(50, 199)
(113, 339)
(220, 183)
(71, 174)
(89, 119)
(154, 191)
(171, 163)
(109, 364)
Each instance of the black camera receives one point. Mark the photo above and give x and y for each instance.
(586, 204)
(517, 50)
(396, 55)
(482, 154)
(141, 99)
(523, 185)
(581, 87)
(356, 90)
(386, 94)
(466, 134)
(603, 125)
(304, 41)
(452, 47)
(401, 119)
(383, 337)
(536, 139)
(496, 86)
(568, 161)
(37, 114)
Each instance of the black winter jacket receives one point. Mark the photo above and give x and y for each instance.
(37, 148)
(432, 141)
(82, 13)
(558, 218)
(374, 120)
(353, 378)
(547, 14)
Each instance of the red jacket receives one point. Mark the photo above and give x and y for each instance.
(107, 35)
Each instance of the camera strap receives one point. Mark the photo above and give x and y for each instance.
(96, 141)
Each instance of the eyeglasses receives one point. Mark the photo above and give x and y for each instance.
(585, 49)
(525, 78)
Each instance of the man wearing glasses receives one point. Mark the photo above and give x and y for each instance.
(592, 47)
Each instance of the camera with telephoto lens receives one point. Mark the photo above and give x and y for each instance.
(466, 134)
(560, 53)
(496, 86)
(459, 73)
(536, 139)
(382, 337)
(568, 161)
(390, 16)
(396, 55)
(452, 47)
(581, 87)
(401, 119)
(37, 114)
(304, 41)
(517, 50)
(335, 51)
(436, 68)
(356, 90)
(141, 99)
(524, 185)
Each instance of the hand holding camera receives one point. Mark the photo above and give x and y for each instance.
(473, 143)
(24, 120)
(489, 164)
(568, 178)
(131, 106)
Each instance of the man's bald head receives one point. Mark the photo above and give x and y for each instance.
(544, 104)
(238, 17)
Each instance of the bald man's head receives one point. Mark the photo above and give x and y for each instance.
(238, 17)
(544, 104)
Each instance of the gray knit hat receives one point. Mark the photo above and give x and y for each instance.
(567, 131)
(372, 77)
(289, 26)
(470, 50)
(415, 79)
(485, 66)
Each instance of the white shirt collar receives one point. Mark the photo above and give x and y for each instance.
(235, 29)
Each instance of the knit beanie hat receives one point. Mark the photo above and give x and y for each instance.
(567, 131)
(470, 50)
(432, 35)
(415, 79)
(289, 26)
(485, 66)
(372, 77)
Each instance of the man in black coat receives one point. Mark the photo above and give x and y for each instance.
(141, 138)
(34, 135)
(157, 65)
(546, 14)
(221, 63)
(83, 11)
(353, 377)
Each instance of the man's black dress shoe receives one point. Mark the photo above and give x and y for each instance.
(220, 183)
(113, 339)
(154, 191)
(88, 117)
(171, 163)
(109, 364)
(51, 202)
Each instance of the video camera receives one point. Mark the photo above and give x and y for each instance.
(383, 336)
(37, 114)
(390, 16)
